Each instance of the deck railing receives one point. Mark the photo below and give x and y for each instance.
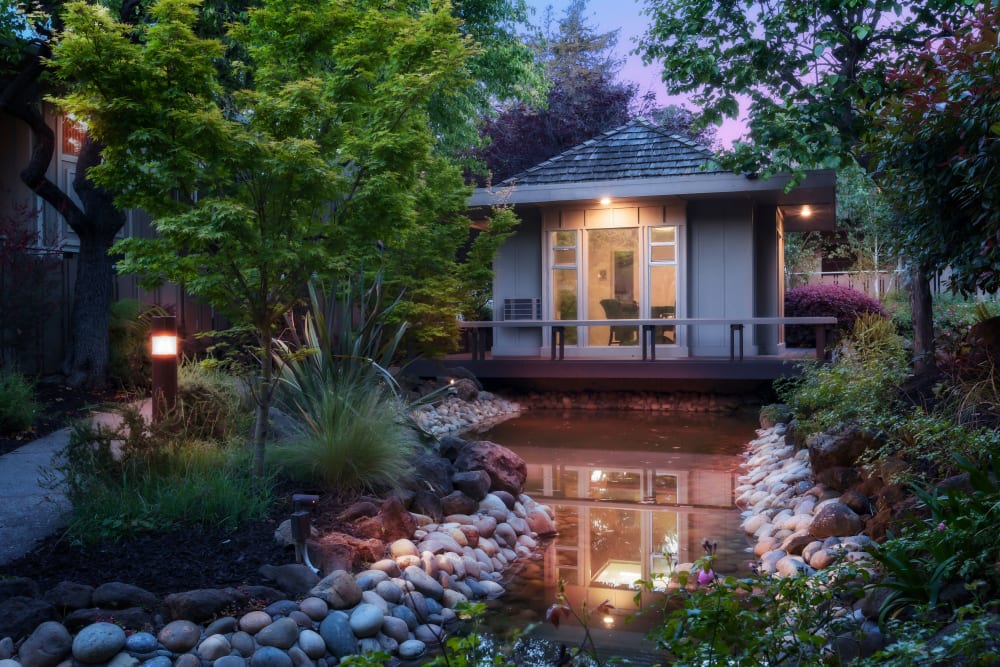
(647, 328)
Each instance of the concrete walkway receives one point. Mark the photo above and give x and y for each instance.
(29, 512)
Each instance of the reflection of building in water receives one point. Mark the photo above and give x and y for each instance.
(622, 523)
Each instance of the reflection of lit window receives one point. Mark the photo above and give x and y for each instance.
(73, 133)
(619, 574)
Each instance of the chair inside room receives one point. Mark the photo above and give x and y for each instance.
(621, 310)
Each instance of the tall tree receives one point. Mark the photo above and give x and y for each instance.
(325, 149)
(867, 224)
(809, 70)
(584, 97)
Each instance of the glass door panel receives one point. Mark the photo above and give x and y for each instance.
(613, 281)
(663, 280)
(564, 280)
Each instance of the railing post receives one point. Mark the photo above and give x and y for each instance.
(649, 333)
(821, 342)
(558, 338)
(733, 329)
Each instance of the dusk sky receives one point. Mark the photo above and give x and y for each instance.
(627, 15)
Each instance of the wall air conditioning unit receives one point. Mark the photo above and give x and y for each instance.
(522, 309)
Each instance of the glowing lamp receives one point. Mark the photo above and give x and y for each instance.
(163, 345)
(806, 211)
(605, 201)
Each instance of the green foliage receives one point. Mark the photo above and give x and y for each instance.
(936, 140)
(133, 477)
(209, 405)
(756, 620)
(808, 68)
(471, 648)
(354, 434)
(129, 363)
(859, 386)
(866, 223)
(17, 404)
(953, 540)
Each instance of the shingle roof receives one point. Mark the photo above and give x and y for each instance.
(638, 149)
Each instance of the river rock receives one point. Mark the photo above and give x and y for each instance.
(835, 519)
(20, 615)
(117, 595)
(839, 448)
(366, 620)
(224, 661)
(403, 547)
(428, 633)
(214, 647)
(187, 660)
(294, 579)
(220, 626)
(396, 628)
(312, 644)
(423, 582)
(68, 595)
(179, 636)
(269, 656)
(412, 649)
(98, 643)
(243, 643)
(315, 608)
(407, 615)
(47, 646)
(282, 634)
(339, 590)
(337, 634)
(254, 621)
(458, 502)
(203, 604)
(540, 522)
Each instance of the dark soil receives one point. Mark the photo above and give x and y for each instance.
(59, 406)
(160, 562)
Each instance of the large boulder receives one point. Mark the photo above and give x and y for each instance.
(391, 523)
(20, 615)
(839, 448)
(202, 604)
(340, 551)
(506, 469)
(432, 473)
(835, 520)
(339, 590)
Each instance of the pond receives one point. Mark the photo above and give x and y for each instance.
(633, 494)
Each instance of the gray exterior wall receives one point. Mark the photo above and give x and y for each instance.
(518, 270)
(767, 278)
(720, 271)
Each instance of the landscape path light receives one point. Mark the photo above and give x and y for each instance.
(163, 335)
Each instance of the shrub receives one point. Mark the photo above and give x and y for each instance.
(860, 386)
(844, 303)
(17, 404)
(209, 405)
(130, 478)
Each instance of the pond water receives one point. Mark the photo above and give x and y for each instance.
(633, 493)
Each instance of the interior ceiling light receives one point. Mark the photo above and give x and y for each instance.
(605, 201)
(806, 211)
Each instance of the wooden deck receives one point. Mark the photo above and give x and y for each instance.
(735, 373)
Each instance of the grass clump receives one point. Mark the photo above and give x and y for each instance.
(336, 383)
(17, 404)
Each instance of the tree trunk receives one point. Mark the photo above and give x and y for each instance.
(922, 316)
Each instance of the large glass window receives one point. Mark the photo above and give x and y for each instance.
(663, 279)
(564, 280)
(614, 284)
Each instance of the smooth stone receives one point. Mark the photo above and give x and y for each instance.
(389, 592)
(484, 524)
(386, 565)
(387, 643)
(452, 598)
(492, 588)
(299, 657)
(368, 645)
(98, 643)
(187, 660)
(423, 582)
(47, 646)
(123, 659)
(301, 619)
(269, 656)
(403, 547)
(282, 634)
(220, 626)
(214, 647)
(229, 661)
(412, 649)
(371, 597)
(158, 661)
(368, 579)
(243, 643)
(339, 590)
(406, 614)
(7, 648)
(428, 633)
(396, 628)
(254, 621)
(823, 558)
(366, 620)
(312, 644)
(314, 608)
(337, 634)
(141, 642)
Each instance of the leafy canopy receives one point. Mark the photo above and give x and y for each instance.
(806, 70)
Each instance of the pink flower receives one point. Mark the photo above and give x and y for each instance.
(706, 577)
(941, 526)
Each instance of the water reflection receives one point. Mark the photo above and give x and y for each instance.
(633, 494)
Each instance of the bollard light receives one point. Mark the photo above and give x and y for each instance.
(163, 334)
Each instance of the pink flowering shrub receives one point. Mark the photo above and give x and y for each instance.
(844, 303)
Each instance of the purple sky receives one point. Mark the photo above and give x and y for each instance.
(627, 15)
